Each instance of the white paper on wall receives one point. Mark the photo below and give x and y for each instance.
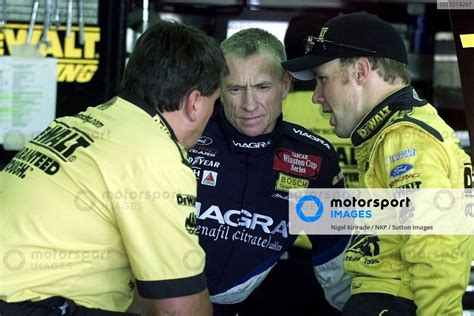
(27, 98)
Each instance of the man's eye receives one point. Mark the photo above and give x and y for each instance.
(263, 87)
(321, 80)
(235, 90)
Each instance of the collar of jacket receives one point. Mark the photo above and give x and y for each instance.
(239, 142)
(403, 99)
(159, 119)
(145, 106)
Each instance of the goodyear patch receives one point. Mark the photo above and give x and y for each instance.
(286, 182)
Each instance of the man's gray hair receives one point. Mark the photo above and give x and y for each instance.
(252, 41)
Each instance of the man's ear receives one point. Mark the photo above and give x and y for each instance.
(363, 68)
(192, 105)
(287, 79)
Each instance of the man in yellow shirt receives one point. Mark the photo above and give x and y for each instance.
(359, 63)
(97, 203)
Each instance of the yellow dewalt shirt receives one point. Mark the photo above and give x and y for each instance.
(97, 202)
(403, 143)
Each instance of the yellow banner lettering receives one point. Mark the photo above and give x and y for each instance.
(76, 63)
(89, 44)
(70, 49)
(55, 50)
(11, 39)
(86, 74)
(68, 72)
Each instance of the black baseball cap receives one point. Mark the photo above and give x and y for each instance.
(299, 27)
(351, 35)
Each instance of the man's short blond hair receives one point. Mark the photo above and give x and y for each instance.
(388, 69)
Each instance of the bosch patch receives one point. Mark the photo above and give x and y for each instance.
(286, 182)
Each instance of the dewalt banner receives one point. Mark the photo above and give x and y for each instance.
(76, 63)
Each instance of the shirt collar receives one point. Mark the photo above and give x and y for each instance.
(404, 99)
(239, 142)
(145, 106)
(158, 118)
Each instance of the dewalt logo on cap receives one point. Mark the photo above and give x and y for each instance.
(323, 32)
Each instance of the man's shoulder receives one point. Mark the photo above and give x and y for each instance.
(423, 119)
(132, 131)
(301, 134)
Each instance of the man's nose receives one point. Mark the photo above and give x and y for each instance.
(249, 102)
(318, 97)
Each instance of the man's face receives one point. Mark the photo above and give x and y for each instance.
(338, 93)
(252, 93)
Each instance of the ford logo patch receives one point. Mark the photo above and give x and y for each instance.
(204, 141)
(400, 169)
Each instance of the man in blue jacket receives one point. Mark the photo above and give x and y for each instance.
(246, 162)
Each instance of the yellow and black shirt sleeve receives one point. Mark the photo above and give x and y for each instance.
(159, 237)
